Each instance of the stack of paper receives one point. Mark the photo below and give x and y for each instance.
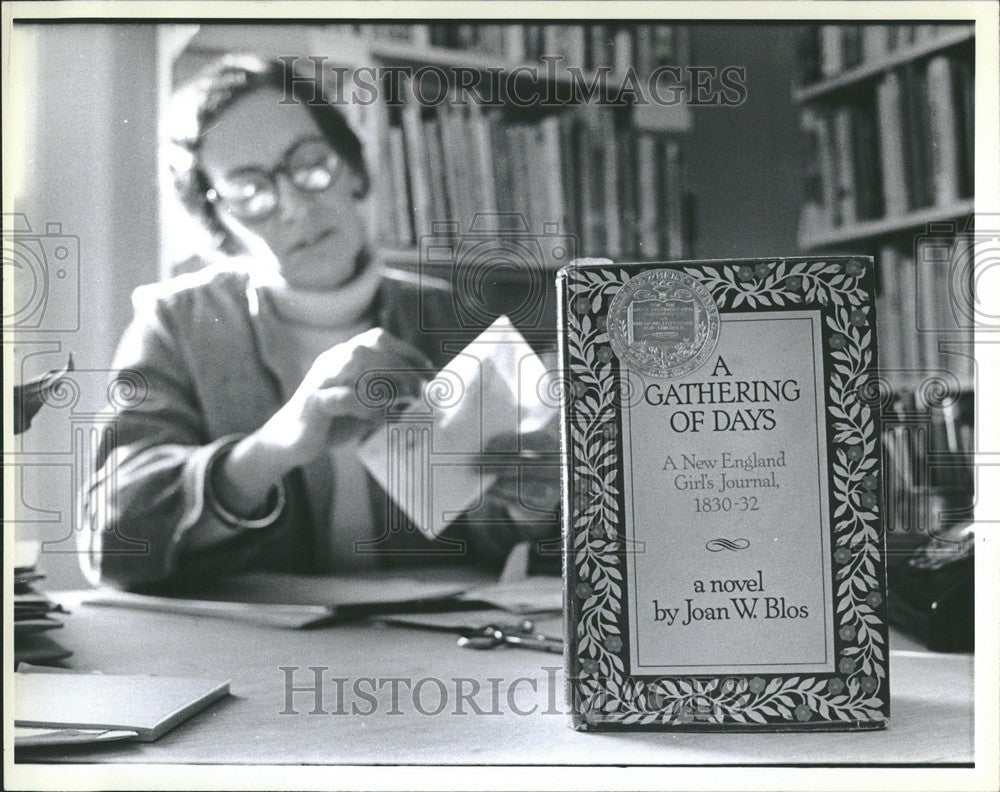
(430, 459)
(293, 601)
(34, 616)
(537, 594)
(148, 706)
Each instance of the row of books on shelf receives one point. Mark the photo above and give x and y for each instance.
(923, 327)
(643, 47)
(826, 51)
(929, 443)
(902, 143)
(615, 189)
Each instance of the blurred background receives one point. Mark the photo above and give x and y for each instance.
(845, 139)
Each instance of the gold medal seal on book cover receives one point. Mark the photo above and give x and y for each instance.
(664, 323)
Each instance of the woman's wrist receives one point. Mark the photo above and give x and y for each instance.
(246, 476)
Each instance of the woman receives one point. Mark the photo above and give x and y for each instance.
(242, 454)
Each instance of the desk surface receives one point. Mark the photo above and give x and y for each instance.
(932, 702)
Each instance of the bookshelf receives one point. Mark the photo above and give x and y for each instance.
(887, 118)
(581, 166)
(885, 61)
(866, 231)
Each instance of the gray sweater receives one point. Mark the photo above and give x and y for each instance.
(193, 378)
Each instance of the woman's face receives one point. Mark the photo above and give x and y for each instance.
(315, 236)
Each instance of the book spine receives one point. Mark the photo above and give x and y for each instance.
(812, 217)
(584, 187)
(576, 44)
(888, 331)
(519, 166)
(552, 158)
(464, 37)
(417, 167)
(831, 56)
(663, 197)
(623, 51)
(963, 98)
(808, 55)
(569, 175)
(956, 355)
(927, 311)
(850, 36)
(598, 48)
(468, 166)
(500, 139)
(943, 131)
(868, 179)
(490, 39)
(569, 499)
(892, 36)
(452, 160)
(643, 50)
(420, 36)
(383, 220)
(400, 193)
(966, 364)
(674, 188)
(435, 170)
(513, 43)
(846, 197)
(465, 165)
(532, 42)
(919, 175)
(541, 209)
(626, 195)
(890, 127)
(828, 168)
(910, 356)
(552, 41)
(649, 212)
(612, 207)
(874, 42)
(664, 49)
(483, 148)
(596, 163)
(682, 44)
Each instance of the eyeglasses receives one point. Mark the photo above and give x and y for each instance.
(252, 193)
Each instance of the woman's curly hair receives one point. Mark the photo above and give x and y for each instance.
(198, 105)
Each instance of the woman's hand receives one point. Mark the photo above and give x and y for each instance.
(331, 407)
(527, 484)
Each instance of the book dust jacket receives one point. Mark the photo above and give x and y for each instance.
(724, 547)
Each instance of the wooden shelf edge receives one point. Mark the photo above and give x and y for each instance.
(441, 56)
(355, 51)
(868, 70)
(886, 225)
(446, 56)
(410, 257)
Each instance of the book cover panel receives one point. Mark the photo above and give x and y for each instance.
(724, 548)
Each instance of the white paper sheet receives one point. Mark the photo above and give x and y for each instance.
(425, 457)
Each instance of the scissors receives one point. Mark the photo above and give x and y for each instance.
(522, 635)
